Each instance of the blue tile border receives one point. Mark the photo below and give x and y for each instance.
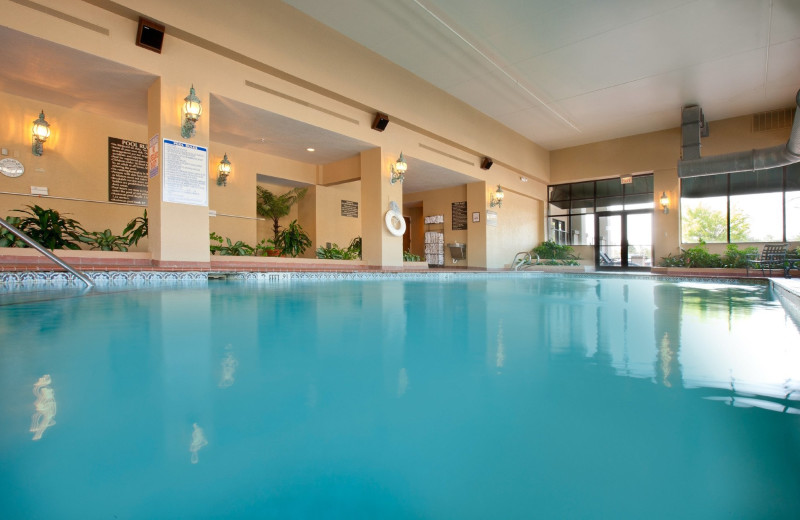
(135, 278)
(100, 278)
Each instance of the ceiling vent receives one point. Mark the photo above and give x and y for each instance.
(773, 119)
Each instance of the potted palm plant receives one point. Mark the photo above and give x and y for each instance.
(275, 207)
(292, 240)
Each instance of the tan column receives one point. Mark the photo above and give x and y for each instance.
(476, 231)
(380, 248)
(177, 232)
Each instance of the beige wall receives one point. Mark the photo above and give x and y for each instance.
(331, 225)
(518, 225)
(74, 164)
(346, 170)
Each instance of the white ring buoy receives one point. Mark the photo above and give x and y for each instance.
(395, 223)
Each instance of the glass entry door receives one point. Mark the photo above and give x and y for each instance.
(624, 239)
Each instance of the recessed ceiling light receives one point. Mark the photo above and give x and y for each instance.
(310, 149)
(523, 179)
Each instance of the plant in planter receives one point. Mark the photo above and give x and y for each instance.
(699, 256)
(551, 253)
(275, 207)
(293, 240)
(408, 256)
(50, 228)
(9, 239)
(334, 252)
(104, 241)
(355, 246)
(231, 249)
(135, 230)
(267, 248)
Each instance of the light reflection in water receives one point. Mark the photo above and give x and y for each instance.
(229, 364)
(402, 382)
(665, 355)
(500, 359)
(45, 406)
(198, 441)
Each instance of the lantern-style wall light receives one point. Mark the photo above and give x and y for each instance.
(224, 170)
(664, 200)
(497, 198)
(191, 113)
(41, 131)
(399, 169)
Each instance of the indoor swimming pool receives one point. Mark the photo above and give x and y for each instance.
(476, 397)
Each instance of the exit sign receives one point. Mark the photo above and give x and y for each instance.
(628, 179)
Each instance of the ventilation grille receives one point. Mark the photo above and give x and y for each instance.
(773, 119)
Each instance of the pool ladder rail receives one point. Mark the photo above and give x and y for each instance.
(34, 244)
(523, 260)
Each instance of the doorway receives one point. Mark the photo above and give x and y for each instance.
(624, 240)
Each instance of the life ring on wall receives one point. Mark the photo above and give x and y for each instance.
(395, 223)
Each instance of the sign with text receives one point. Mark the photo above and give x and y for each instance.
(349, 208)
(185, 173)
(459, 215)
(127, 171)
(491, 218)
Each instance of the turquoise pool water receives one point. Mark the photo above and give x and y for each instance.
(541, 397)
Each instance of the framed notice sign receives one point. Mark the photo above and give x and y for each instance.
(184, 174)
(127, 171)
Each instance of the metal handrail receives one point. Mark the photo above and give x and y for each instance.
(526, 260)
(34, 244)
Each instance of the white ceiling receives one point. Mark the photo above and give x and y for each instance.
(570, 72)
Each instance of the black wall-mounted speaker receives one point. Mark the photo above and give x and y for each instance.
(486, 163)
(150, 35)
(380, 122)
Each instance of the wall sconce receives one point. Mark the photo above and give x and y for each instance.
(497, 198)
(224, 170)
(191, 113)
(664, 202)
(41, 131)
(399, 169)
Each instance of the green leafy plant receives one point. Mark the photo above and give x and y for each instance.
(275, 207)
(9, 239)
(355, 246)
(699, 256)
(408, 256)
(551, 253)
(215, 247)
(293, 240)
(734, 257)
(265, 247)
(49, 228)
(236, 249)
(104, 241)
(334, 252)
(135, 230)
(673, 261)
(226, 247)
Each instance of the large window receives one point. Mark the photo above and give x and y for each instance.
(571, 209)
(761, 206)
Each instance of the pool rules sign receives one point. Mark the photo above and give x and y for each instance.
(127, 171)
(184, 178)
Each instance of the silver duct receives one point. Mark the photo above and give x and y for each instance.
(691, 165)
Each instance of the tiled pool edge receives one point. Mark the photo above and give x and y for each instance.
(789, 296)
(121, 278)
